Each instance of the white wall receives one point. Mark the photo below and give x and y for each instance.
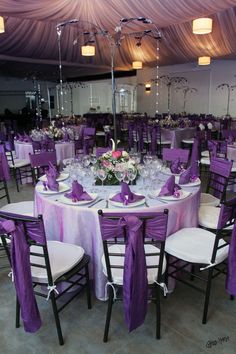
(204, 78)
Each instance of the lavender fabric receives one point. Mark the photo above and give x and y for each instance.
(135, 285)
(20, 262)
(170, 188)
(77, 194)
(185, 176)
(195, 152)
(231, 275)
(195, 173)
(5, 171)
(126, 196)
(51, 183)
(176, 167)
(52, 170)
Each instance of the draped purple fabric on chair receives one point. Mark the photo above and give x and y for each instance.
(174, 154)
(195, 155)
(4, 163)
(36, 146)
(20, 260)
(88, 139)
(135, 283)
(220, 170)
(226, 133)
(100, 151)
(43, 158)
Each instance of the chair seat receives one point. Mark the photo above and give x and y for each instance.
(205, 161)
(208, 199)
(117, 274)
(208, 217)
(195, 245)
(188, 141)
(205, 154)
(63, 257)
(19, 163)
(21, 208)
(164, 142)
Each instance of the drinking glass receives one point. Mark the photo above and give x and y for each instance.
(93, 159)
(102, 175)
(86, 160)
(119, 175)
(131, 173)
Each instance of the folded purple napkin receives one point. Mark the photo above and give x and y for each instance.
(52, 170)
(51, 183)
(77, 194)
(185, 176)
(176, 167)
(170, 188)
(126, 196)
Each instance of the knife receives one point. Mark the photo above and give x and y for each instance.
(95, 202)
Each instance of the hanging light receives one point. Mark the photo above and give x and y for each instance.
(88, 50)
(2, 27)
(148, 87)
(202, 25)
(137, 65)
(204, 60)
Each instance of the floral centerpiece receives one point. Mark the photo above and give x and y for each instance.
(112, 162)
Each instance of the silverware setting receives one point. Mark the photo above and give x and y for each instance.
(95, 202)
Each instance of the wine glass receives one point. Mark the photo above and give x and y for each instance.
(119, 175)
(147, 159)
(143, 171)
(86, 160)
(93, 159)
(131, 173)
(102, 175)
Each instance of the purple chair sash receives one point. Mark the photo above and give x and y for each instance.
(20, 260)
(135, 284)
(5, 171)
(221, 169)
(174, 154)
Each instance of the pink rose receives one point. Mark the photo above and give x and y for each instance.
(105, 163)
(116, 154)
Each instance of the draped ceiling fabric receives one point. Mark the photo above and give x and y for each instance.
(30, 41)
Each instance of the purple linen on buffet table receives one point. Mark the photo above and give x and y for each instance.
(20, 259)
(85, 229)
(170, 188)
(77, 194)
(126, 196)
(135, 285)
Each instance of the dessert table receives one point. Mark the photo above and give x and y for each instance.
(80, 224)
(64, 150)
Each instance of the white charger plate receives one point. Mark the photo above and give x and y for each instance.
(62, 188)
(130, 205)
(69, 201)
(183, 195)
(167, 171)
(62, 177)
(191, 184)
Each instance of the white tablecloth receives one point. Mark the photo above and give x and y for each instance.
(63, 150)
(80, 225)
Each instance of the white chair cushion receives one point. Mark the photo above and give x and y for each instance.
(205, 161)
(117, 274)
(188, 141)
(205, 154)
(63, 257)
(208, 217)
(19, 163)
(233, 169)
(164, 142)
(22, 208)
(208, 199)
(195, 245)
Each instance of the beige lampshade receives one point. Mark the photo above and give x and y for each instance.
(88, 50)
(2, 27)
(137, 65)
(202, 25)
(204, 60)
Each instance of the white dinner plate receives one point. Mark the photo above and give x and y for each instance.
(190, 184)
(130, 205)
(183, 195)
(62, 188)
(69, 201)
(61, 177)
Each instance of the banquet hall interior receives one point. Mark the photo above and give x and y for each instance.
(117, 176)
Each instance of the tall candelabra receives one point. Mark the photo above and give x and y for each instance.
(172, 81)
(186, 91)
(115, 39)
(229, 88)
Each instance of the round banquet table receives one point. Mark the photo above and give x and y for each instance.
(80, 224)
(64, 150)
(177, 135)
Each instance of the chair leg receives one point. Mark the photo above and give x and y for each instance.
(108, 318)
(17, 313)
(207, 295)
(7, 193)
(57, 319)
(158, 313)
(15, 177)
(88, 287)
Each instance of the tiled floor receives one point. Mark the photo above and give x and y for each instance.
(182, 331)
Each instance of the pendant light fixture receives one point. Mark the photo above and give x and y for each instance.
(202, 25)
(137, 65)
(2, 27)
(88, 50)
(204, 60)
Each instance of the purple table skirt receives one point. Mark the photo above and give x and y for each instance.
(85, 231)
